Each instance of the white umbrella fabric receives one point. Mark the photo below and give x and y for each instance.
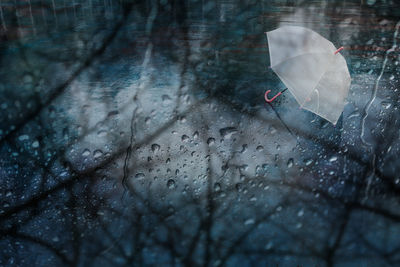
(311, 68)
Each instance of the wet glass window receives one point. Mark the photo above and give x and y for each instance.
(140, 133)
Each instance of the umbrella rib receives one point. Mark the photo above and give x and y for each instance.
(315, 86)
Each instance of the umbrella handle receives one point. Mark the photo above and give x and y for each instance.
(272, 99)
(340, 49)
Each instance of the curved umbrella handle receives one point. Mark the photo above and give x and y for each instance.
(340, 49)
(272, 99)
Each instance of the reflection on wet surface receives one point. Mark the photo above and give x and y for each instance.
(136, 133)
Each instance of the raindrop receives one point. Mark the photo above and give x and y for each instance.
(23, 137)
(112, 113)
(171, 184)
(139, 175)
(85, 152)
(217, 187)
(333, 159)
(155, 147)
(227, 132)
(259, 170)
(253, 199)
(185, 138)
(244, 149)
(300, 213)
(195, 135)
(35, 144)
(182, 119)
(239, 187)
(386, 104)
(210, 141)
(249, 221)
(308, 162)
(269, 245)
(166, 99)
(260, 148)
(97, 153)
(243, 167)
(102, 133)
(290, 163)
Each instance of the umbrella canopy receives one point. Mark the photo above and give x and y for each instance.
(313, 72)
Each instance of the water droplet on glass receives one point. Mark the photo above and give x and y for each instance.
(308, 162)
(97, 153)
(155, 147)
(333, 159)
(23, 137)
(249, 221)
(171, 184)
(239, 187)
(290, 163)
(386, 104)
(260, 148)
(185, 138)
(227, 132)
(86, 153)
(269, 245)
(35, 144)
(166, 99)
(300, 213)
(244, 148)
(243, 167)
(139, 175)
(217, 187)
(210, 141)
(102, 133)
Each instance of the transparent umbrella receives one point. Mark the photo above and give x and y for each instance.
(311, 68)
